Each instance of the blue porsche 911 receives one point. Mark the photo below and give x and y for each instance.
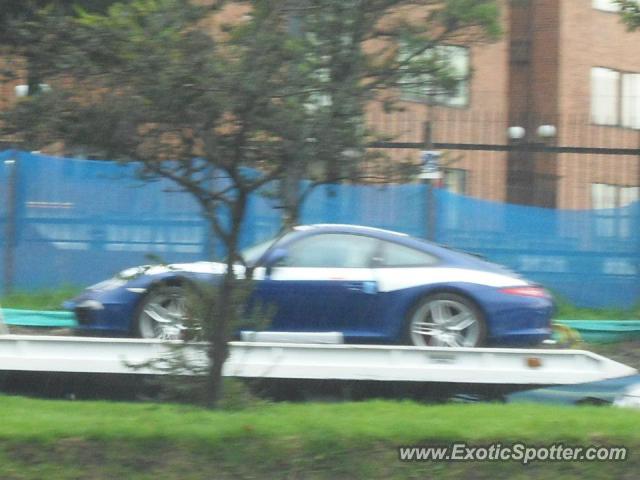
(369, 285)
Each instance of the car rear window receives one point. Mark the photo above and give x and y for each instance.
(396, 255)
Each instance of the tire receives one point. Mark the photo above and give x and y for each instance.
(446, 320)
(161, 313)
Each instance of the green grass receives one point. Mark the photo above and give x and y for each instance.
(39, 300)
(568, 311)
(329, 424)
(60, 440)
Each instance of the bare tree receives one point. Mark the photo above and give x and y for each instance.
(226, 110)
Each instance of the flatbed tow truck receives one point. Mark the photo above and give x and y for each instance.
(294, 356)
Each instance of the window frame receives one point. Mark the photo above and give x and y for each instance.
(622, 103)
(459, 175)
(608, 6)
(627, 101)
(379, 257)
(429, 94)
(611, 220)
(369, 265)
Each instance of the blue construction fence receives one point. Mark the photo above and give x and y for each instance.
(74, 222)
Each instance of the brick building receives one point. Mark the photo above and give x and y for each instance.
(568, 66)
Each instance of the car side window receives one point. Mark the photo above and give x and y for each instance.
(396, 255)
(331, 250)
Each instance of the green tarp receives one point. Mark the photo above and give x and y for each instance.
(604, 331)
(36, 318)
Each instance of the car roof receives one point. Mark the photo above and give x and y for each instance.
(342, 227)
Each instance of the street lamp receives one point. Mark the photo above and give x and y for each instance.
(546, 131)
(516, 132)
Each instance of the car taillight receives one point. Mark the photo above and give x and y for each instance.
(528, 291)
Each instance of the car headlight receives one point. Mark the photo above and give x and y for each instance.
(110, 284)
(131, 273)
(120, 279)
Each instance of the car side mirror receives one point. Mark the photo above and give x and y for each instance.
(273, 258)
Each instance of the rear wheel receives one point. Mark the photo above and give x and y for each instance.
(162, 313)
(446, 320)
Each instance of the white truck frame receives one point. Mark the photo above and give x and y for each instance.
(316, 361)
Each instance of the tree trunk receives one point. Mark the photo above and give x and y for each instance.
(222, 313)
(290, 217)
(220, 317)
(290, 196)
(33, 78)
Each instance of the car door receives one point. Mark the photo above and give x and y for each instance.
(324, 282)
(399, 269)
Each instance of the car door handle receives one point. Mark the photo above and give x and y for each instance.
(369, 287)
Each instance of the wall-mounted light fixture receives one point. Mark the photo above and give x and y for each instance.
(516, 132)
(547, 131)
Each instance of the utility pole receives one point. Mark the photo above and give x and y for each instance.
(290, 183)
(10, 225)
(430, 175)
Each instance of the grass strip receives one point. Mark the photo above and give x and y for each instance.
(39, 299)
(346, 423)
(61, 440)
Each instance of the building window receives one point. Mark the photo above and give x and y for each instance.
(604, 195)
(606, 5)
(447, 80)
(23, 90)
(615, 98)
(455, 180)
(604, 96)
(630, 100)
(612, 220)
